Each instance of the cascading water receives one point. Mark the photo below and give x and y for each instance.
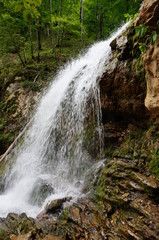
(56, 153)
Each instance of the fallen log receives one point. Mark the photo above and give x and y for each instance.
(15, 141)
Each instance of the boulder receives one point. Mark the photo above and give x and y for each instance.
(120, 44)
(56, 205)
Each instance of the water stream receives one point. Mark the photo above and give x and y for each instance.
(64, 140)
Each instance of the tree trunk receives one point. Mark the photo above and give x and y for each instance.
(60, 44)
(38, 38)
(45, 4)
(81, 21)
(15, 142)
(31, 43)
(22, 62)
(48, 31)
(97, 19)
(59, 24)
(25, 60)
(101, 23)
(52, 31)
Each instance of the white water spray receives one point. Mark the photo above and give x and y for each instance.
(56, 153)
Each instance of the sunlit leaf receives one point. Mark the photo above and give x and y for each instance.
(18, 7)
(154, 36)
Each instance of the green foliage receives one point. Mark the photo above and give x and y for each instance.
(142, 47)
(141, 30)
(20, 20)
(154, 163)
(154, 37)
(64, 215)
(144, 36)
(128, 17)
(3, 234)
(29, 7)
(140, 33)
(34, 86)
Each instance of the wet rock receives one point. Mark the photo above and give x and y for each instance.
(41, 191)
(113, 44)
(21, 227)
(91, 176)
(121, 45)
(134, 185)
(56, 205)
(148, 182)
(75, 214)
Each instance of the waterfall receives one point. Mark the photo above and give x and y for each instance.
(64, 140)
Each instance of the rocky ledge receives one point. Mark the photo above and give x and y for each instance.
(125, 206)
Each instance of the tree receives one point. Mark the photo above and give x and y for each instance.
(81, 21)
(52, 31)
(30, 12)
(11, 35)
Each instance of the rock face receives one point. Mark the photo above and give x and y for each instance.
(24, 99)
(123, 90)
(123, 93)
(149, 16)
(151, 64)
(17, 104)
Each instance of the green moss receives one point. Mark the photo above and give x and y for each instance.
(24, 227)
(89, 141)
(100, 190)
(2, 168)
(3, 234)
(10, 106)
(2, 123)
(154, 163)
(89, 134)
(64, 215)
(34, 86)
(109, 151)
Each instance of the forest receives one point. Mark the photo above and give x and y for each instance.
(36, 29)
